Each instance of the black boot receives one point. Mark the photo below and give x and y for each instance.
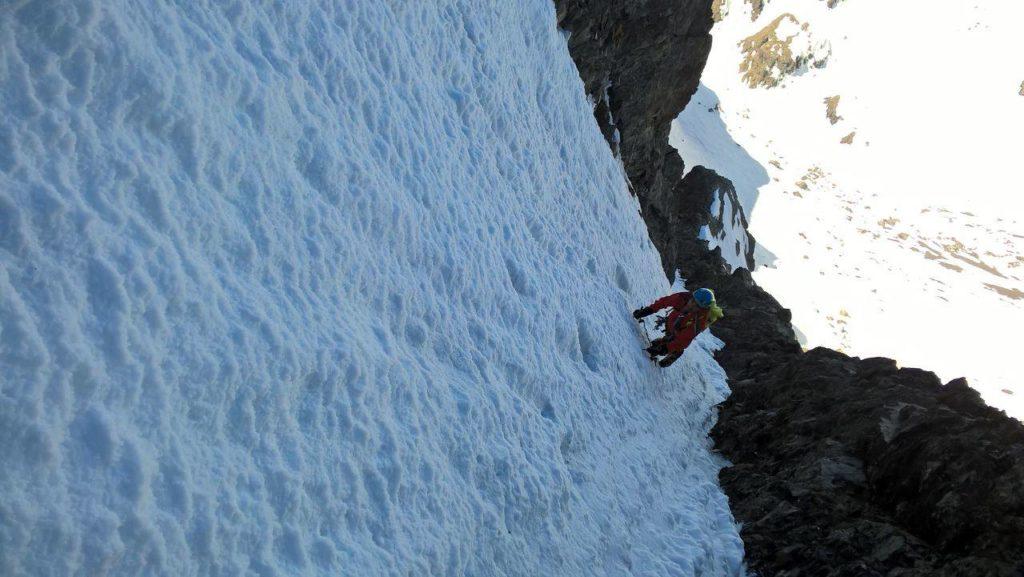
(656, 349)
(669, 360)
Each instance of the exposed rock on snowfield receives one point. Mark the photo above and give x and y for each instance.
(727, 226)
(712, 199)
(831, 104)
(848, 139)
(862, 467)
(842, 466)
(719, 9)
(756, 6)
(780, 49)
(889, 168)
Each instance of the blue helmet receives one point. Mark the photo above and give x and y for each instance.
(704, 297)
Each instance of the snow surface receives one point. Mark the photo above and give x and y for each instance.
(331, 288)
(908, 242)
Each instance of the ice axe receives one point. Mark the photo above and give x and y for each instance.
(643, 325)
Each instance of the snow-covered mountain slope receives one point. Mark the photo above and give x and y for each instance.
(333, 288)
(879, 175)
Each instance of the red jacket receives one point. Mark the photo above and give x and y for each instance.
(684, 327)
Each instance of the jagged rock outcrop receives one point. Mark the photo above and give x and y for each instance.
(726, 222)
(846, 466)
(841, 466)
(831, 109)
(781, 49)
(640, 61)
(703, 199)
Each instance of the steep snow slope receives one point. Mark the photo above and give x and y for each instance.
(328, 289)
(883, 186)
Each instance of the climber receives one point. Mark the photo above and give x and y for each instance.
(691, 313)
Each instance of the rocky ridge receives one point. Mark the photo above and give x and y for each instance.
(779, 50)
(841, 466)
(640, 61)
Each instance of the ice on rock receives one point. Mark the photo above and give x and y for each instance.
(330, 288)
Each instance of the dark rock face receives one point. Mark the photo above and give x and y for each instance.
(640, 61)
(841, 466)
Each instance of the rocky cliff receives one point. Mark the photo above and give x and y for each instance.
(841, 466)
(640, 61)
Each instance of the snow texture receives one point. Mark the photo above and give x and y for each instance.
(906, 242)
(330, 288)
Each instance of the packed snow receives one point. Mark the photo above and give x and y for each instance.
(331, 289)
(889, 218)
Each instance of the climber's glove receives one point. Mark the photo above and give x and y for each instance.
(642, 312)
